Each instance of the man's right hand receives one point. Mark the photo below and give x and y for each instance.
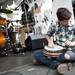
(50, 41)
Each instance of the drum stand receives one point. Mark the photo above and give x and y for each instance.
(7, 45)
(7, 36)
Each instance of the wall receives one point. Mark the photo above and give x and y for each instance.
(61, 3)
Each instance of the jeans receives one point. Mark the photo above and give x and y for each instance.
(50, 62)
(72, 55)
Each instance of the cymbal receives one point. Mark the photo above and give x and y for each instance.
(5, 11)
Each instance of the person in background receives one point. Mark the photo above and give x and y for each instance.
(63, 35)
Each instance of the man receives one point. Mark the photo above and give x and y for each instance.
(63, 35)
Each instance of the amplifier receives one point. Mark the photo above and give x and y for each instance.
(36, 41)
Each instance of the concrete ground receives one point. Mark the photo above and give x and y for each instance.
(22, 65)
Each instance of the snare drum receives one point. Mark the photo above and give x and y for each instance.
(53, 51)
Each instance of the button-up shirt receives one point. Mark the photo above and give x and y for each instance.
(62, 33)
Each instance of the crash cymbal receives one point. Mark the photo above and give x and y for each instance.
(5, 11)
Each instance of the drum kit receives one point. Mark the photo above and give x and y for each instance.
(4, 27)
(9, 28)
(53, 51)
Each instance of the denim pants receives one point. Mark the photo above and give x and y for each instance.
(72, 55)
(50, 62)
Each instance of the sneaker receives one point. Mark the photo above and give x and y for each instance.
(64, 68)
(36, 62)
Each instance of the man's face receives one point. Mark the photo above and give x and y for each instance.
(37, 10)
(64, 22)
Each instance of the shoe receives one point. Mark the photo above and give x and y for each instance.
(64, 68)
(23, 53)
(36, 62)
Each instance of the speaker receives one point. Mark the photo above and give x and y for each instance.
(34, 42)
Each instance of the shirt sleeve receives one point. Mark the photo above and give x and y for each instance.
(73, 32)
(51, 30)
(74, 29)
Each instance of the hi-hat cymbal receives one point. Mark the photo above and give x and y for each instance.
(5, 11)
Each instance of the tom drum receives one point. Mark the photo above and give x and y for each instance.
(2, 39)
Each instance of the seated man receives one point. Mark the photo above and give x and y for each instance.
(63, 35)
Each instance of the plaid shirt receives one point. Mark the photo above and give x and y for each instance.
(61, 34)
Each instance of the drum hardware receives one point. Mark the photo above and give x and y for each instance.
(2, 39)
(14, 31)
(2, 29)
(3, 32)
(5, 48)
(14, 20)
(16, 47)
(4, 44)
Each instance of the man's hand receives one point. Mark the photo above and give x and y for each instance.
(50, 42)
(70, 43)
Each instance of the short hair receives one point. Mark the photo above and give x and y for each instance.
(63, 14)
(36, 5)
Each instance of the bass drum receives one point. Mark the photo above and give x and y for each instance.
(2, 39)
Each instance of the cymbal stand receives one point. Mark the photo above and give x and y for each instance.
(7, 35)
(7, 41)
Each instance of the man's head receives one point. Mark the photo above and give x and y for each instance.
(37, 8)
(63, 15)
